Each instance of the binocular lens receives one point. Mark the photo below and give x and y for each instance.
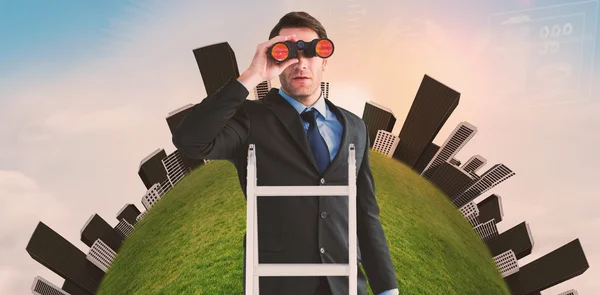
(280, 52)
(324, 48)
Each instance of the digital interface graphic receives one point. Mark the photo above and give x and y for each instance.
(557, 44)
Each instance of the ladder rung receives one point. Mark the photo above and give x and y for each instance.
(302, 269)
(330, 190)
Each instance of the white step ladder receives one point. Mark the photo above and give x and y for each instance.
(254, 269)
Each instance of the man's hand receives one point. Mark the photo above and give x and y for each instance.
(263, 68)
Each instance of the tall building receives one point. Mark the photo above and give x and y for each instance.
(495, 175)
(471, 213)
(97, 228)
(101, 255)
(141, 216)
(487, 230)
(518, 239)
(174, 118)
(152, 196)
(507, 263)
(217, 64)
(451, 180)
(42, 286)
(377, 117)
(385, 143)
(262, 89)
(124, 228)
(425, 157)
(491, 208)
(129, 212)
(431, 108)
(456, 141)
(325, 89)
(175, 167)
(74, 289)
(549, 270)
(474, 163)
(152, 170)
(63, 258)
(454, 162)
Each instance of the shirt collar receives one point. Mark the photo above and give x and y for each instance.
(319, 105)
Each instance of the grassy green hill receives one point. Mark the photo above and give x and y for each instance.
(190, 241)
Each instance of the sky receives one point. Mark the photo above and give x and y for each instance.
(85, 87)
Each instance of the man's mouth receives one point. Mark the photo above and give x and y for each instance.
(301, 78)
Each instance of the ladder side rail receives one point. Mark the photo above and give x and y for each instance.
(250, 204)
(352, 232)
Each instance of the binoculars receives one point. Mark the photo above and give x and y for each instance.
(282, 51)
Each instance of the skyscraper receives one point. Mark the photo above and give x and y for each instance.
(507, 263)
(175, 167)
(474, 163)
(97, 228)
(495, 175)
(124, 228)
(471, 213)
(491, 208)
(487, 230)
(174, 118)
(74, 289)
(425, 157)
(377, 117)
(217, 64)
(457, 140)
(518, 239)
(129, 212)
(101, 255)
(152, 196)
(151, 169)
(569, 292)
(325, 89)
(262, 89)
(550, 270)
(385, 143)
(451, 180)
(454, 162)
(60, 256)
(42, 286)
(432, 106)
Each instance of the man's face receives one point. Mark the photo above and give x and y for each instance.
(303, 79)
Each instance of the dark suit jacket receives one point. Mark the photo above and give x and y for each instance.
(293, 229)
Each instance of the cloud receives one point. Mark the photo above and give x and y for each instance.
(24, 204)
(80, 130)
(74, 121)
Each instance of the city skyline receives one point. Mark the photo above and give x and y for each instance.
(112, 95)
(104, 241)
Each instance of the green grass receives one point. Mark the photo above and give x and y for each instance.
(190, 242)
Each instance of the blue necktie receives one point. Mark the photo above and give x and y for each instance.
(315, 140)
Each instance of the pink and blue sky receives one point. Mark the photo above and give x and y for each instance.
(85, 88)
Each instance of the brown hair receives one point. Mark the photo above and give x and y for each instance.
(298, 19)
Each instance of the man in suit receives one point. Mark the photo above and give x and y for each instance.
(301, 138)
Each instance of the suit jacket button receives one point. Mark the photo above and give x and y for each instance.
(322, 250)
(322, 180)
(323, 214)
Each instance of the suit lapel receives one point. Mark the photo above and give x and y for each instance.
(291, 120)
(289, 117)
(342, 154)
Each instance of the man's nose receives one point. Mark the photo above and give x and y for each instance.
(302, 60)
